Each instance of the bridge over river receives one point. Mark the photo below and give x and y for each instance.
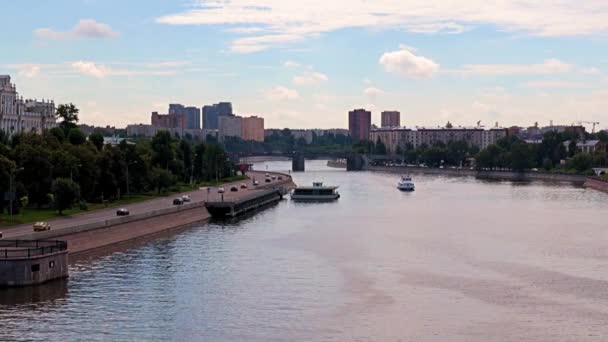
(354, 161)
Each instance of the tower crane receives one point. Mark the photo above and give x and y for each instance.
(594, 123)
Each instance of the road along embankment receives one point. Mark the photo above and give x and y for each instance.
(106, 232)
(485, 174)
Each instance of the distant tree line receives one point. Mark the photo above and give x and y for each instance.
(61, 167)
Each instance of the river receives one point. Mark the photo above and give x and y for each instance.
(460, 259)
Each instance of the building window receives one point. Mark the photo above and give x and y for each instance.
(35, 267)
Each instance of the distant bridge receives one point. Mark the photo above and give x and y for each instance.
(354, 161)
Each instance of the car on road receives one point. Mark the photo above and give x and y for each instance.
(41, 226)
(185, 198)
(234, 189)
(267, 174)
(122, 212)
(280, 178)
(221, 190)
(177, 201)
(0, 235)
(274, 177)
(255, 183)
(268, 180)
(243, 186)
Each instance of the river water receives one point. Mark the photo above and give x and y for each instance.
(458, 260)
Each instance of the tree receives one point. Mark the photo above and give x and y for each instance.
(58, 133)
(76, 137)
(97, 139)
(162, 148)
(65, 194)
(380, 147)
(521, 156)
(68, 113)
(581, 162)
(162, 179)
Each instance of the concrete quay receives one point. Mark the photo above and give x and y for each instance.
(103, 228)
(596, 183)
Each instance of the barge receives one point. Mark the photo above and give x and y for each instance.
(234, 208)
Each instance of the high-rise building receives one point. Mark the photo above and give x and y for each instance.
(193, 117)
(213, 112)
(230, 126)
(18, 115)
(252, 128)
(390, 119)
(168, 120)
(359, 124)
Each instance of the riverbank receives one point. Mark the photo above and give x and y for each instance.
(485, 174)
(103, 228)
(596, 183)
(30, 215)
(338, 164)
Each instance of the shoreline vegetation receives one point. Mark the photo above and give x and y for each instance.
(62, 171)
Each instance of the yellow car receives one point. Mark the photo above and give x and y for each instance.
(41, 226)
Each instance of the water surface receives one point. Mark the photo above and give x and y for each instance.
(459, 259)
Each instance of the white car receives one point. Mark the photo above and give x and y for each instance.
(185, 198)
(221, 190)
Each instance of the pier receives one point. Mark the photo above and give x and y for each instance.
(32, 262)
(259, 199)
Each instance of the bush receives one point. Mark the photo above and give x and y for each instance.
(83, 206)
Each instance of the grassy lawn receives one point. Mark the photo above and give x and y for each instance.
(28, 215)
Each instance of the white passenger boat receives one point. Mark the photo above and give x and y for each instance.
(406, 184)
(316, 192)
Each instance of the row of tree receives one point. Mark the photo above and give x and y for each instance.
(60, 165)
(556, 151)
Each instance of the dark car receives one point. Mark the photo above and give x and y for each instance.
(268, 180)
(234, 189)
(122, 212)
(177, 201)
(280, 178)
(0, 235)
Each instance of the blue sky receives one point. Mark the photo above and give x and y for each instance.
(304, 64)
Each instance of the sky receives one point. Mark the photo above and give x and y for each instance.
(306, 63)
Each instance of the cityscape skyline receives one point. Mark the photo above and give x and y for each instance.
(439, 64)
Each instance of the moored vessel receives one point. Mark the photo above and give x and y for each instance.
(316, 192)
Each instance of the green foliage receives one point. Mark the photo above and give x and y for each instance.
(161, 179)
(65, 194)
(68, 113)
(96, 139)
(581, 162)
(76, 137)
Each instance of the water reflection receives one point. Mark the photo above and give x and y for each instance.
(48, 293)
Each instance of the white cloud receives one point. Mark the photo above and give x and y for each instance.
(404, 62)
(548, 67)
(91, 69)
(551, 84)
(268, 23)
(281, 93)
(310, 78)
(86, 28)
(29, 70)
(372, 92)
(291, 64)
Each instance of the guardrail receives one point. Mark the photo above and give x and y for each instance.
(12, 249)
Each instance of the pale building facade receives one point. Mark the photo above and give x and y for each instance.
(230, 126)
(22, 116)
(404, 137)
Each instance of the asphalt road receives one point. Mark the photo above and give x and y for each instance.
(201, 195)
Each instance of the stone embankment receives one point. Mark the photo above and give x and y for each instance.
(103, 230)
(485, 174)
(597, 183)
